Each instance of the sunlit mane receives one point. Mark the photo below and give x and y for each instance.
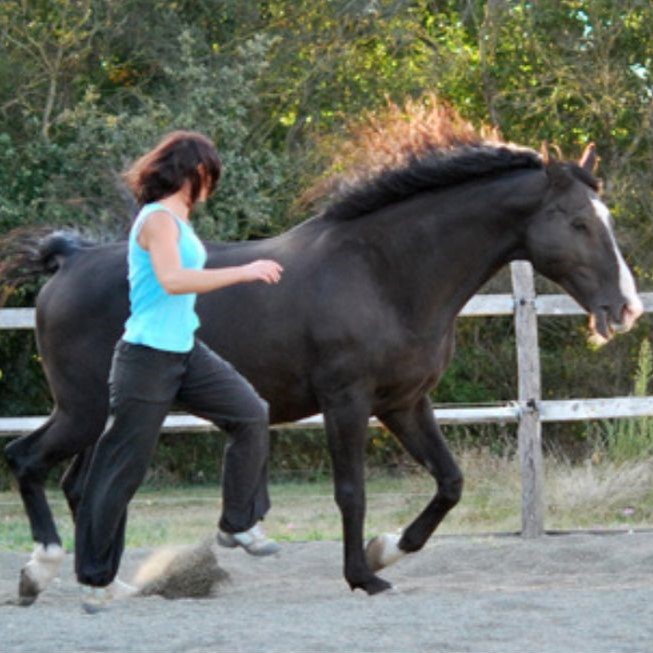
(404, 150)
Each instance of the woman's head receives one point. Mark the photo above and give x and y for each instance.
(181, 158)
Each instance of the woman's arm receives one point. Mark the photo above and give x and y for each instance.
(159, 236)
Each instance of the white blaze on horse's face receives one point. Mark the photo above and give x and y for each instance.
(633, 307)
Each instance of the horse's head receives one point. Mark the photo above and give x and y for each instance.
(571, 241)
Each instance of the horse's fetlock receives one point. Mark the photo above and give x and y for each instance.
(383, 550)
(49, 554)
(410, 544)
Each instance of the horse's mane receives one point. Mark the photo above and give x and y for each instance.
(424, 145)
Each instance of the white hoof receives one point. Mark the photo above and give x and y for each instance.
(383, 550)
(41, 569)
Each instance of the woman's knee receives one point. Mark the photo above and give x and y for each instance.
(252, 423)
(261, 412)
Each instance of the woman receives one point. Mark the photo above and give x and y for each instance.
(159, 360)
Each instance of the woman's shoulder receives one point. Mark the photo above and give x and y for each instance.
(156, 216)
(149, 209)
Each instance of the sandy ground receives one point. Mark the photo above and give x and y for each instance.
(558, 594)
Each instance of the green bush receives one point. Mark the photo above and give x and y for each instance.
(631, 439)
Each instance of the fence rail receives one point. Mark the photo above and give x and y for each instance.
(550, 410)
(529, 411)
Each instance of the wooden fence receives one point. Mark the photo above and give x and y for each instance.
(529, 411)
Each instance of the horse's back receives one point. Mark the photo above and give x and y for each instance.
(328, 322)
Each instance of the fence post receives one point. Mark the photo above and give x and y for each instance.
(529, 394)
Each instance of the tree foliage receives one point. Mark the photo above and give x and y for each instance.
(86, 86)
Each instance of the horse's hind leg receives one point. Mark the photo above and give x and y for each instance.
(72, 482)
(30, 459)
(31, 468)
(420, 434)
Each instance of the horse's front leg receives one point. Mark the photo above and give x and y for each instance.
(346, 426)
(420, 434)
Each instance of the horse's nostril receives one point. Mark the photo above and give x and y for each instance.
(609, 315)
(630, 313)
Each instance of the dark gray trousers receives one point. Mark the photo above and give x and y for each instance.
(144, 383)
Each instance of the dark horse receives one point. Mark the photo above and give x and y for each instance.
(362, 324)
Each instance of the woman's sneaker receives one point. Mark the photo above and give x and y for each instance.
(254, 541)
(121, 590)
(95, 599)
(98, 599)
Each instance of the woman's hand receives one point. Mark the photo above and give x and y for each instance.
(263, 270)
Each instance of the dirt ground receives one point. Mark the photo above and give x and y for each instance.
(576, 593)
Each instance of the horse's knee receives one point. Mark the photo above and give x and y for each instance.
(450, 490)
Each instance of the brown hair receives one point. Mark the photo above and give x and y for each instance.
(180, 157)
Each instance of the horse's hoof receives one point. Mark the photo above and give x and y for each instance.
(383, 550)
(38, 573)
(376, 586)
(28, 590)
(371, 585)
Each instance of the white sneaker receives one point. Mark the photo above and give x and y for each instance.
(95, 599)
(254, 541)
(121, 590)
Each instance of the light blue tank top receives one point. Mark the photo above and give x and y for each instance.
(157, 319)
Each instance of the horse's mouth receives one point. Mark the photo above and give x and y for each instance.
(603, 326)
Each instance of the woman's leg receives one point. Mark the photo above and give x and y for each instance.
(143, 384)
(117, 469)
(213, 389)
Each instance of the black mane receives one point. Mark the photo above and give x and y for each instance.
(434, 170)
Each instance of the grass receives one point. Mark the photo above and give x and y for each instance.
(630, 439)
(604, 495)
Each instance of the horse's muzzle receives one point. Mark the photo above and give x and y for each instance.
(604, 325)
(629, 315)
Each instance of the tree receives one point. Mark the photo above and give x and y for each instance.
(84, 89)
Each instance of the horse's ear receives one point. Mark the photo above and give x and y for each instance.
(551, 156)
(590, 159)
(550, 153)
(545, 151)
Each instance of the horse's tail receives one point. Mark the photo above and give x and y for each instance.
(55, 248)
(28, 253)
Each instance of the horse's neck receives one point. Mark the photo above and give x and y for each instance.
(446, 247)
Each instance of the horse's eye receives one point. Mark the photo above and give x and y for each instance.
(580, 225)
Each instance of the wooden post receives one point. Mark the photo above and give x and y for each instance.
(530, 393)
